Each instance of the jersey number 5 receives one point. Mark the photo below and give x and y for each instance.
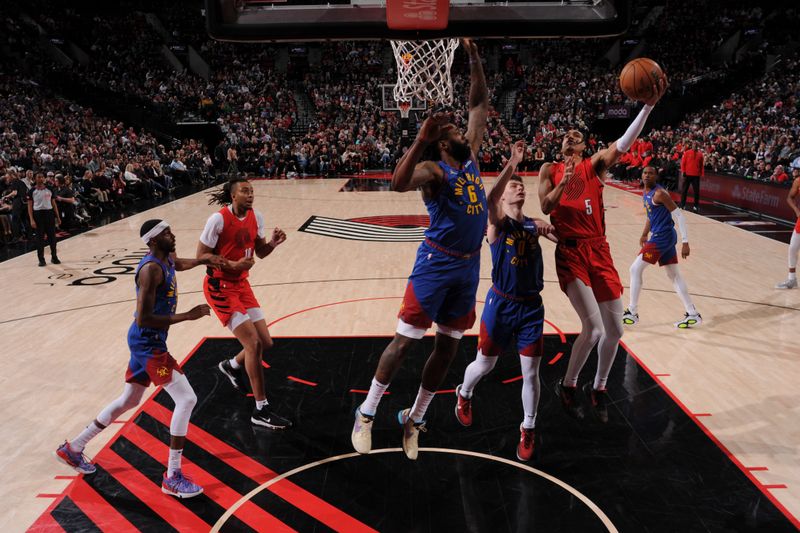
(588, 204)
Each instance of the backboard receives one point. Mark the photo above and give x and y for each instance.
(321, 20)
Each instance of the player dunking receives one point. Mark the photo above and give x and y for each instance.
(660, 247)
(513, 304)
(794, 243)
(235, 232)
(445, 277)
(156, 300)
(572, 194)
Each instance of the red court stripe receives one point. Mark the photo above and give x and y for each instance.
(303, 381)
(250, 513)
(65, 477)
(555, 358)
(97, 509)
(46, 524)
(757, 468)
(662, 375)
(150, 494)
(264, 364)
(302, 499)
(512, 380)
(361, 391)
(781, 486)
(445, 391)
(47, 495)
(701, 414)
(558, 330)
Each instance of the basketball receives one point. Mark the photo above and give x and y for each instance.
(639, 78)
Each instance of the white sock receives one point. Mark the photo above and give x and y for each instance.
(260, 404)
(674, 274)
(481, 366)
(530, 389)
(421, 404)
(234, 363)
(637, 269)
(174, 464)
(792, 276)
(89, 432)
(370, 405)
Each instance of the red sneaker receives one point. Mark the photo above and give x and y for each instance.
(463, 409)
(525, 446)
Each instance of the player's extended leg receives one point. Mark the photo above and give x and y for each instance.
(794, 248)
(530, 403)
(71, 452)
(390, 362)
(174, 482)
(631, 316)
(482, 365)
(611, 314)
(692, 317)
(583, 301)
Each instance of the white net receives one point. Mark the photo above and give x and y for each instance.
(423, 70)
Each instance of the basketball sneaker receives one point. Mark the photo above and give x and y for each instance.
(234, 375)
(411, 431)
(630, 319)
(266, 418)
(568, 400)
(74, 459)
(598, 401)
(787, 284)
(463, 409)
(689, 320)
(180, 486)
(361, 437)
(525, 446)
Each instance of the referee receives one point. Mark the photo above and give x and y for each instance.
(44, 216)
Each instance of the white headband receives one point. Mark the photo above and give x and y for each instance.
(155, 232)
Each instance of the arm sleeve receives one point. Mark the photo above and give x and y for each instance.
(262, 232)
(677, 215)
(625, 142)
(211, 232)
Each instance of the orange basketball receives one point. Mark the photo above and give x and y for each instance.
(640, 78)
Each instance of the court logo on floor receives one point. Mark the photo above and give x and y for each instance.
(386, 228)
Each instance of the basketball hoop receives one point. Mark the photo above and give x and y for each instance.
(423, 70)
(405, 108)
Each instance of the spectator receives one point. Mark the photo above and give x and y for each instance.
(692, 168)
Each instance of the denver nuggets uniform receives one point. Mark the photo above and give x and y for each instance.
(445, 277)
(663, 238)
(150, 360)
(513, 303)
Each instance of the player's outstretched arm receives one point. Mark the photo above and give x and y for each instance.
(478, 97)
(545, 229)
(791, 198)
(494, 200)
(663, 197)
(149, 278)
(186, 263)
(608, 157)
(409, 172)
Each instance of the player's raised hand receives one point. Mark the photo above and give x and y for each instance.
(470, 47)
(198, 311)
(518, 152)
(659, 88)
(434, 127)
(278, 237)
(569, 169)
(685, 250)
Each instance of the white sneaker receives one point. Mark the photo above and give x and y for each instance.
(787, 284)
(629, 319)
(361, 437)
(689, 320)
(411, 431)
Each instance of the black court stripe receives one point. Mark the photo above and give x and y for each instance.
(71, 518)
(236, 480)
(202, 505)
(132, 508)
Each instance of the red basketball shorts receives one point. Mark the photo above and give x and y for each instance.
(155, 367)
(588, 260)
(227, 297)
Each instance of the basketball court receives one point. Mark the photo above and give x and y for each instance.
(702, 431)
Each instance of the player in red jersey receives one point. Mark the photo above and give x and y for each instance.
(794, 243)
(235, 232)
(572, 194)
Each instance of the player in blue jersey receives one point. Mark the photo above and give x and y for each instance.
(513, 304)
(156, 300)
(444, 280)
(660, 247)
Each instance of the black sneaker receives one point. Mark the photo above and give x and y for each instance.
(42, 263)
(55, 260)
(598, 401)
(568, 400)
(234, 375)
(266, 418)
